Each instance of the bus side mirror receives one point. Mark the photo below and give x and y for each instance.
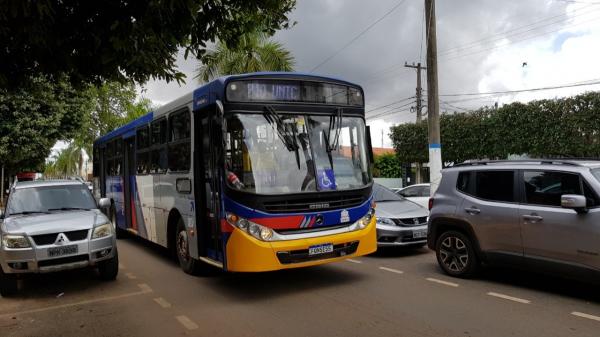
(369, 145)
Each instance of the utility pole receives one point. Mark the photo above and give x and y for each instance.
(433, 108)
(419, 94)
(419, 166)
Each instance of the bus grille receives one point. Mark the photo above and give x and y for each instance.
(301, 255)
(313, 204)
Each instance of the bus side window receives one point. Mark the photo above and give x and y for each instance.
(142, 156)
(179, 152)
(158, 139)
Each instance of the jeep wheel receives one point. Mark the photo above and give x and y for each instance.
(456, 255)
(8, 284)
(108, 269)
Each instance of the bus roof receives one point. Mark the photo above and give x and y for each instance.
(208, 94)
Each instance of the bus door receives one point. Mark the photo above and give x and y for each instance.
(129, 171)
(207, 158)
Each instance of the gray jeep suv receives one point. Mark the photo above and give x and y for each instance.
(51, 226)
(536, 214)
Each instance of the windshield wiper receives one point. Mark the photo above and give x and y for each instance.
(288, 140)
(333, 142)
(29, 212)
(69, 209)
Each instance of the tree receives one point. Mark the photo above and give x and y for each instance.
(387, 166)
(255, 52)
(67, 162)
(33, 117)
(113, 40)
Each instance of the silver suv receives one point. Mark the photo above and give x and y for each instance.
(51, 226)
(536, 214)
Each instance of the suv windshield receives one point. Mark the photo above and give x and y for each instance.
(276, 153)
(49, 198)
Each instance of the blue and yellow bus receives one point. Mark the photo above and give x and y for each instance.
(252, 172)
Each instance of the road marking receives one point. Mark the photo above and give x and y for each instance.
(162, 302)
(510, 298)
(353, 261)
(187, 323)
(446, 283)
(392, 270)
(130, 276)
(584, 315)
(68, 305)
(145, 288)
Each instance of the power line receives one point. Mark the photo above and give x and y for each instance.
(392, 110)
(389, 104)
(357, 36)
(576, 84)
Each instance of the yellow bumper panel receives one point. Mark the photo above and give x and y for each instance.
(247, 254)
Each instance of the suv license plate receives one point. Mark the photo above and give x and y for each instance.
(320, 249)
(421, 233)
(60, 251)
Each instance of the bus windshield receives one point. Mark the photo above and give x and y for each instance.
(275, 153)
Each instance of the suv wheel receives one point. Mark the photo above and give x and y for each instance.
(108, 269)
(113, 219)
(8, 284)
(456, 255)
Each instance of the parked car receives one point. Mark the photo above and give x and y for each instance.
(418, 193)
(400, 222)
(51, 226)
(542, 215)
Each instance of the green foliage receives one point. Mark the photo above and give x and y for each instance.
(113, 40)
(255, 52)
(67, 162)
(387, 166)
(112, 105)
(34, 117)
(566, 127)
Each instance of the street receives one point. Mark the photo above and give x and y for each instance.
(392, 293)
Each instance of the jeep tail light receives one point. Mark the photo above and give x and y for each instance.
(430, 203)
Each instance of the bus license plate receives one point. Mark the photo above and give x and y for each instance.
(421, 233)
(60, 251)
(320, 249)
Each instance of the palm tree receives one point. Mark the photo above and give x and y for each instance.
(255, 52)
(67, 162)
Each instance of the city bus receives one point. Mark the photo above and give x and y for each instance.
(248, 173)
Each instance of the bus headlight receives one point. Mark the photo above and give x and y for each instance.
(15, 241)
(366, 220)
(260, 232)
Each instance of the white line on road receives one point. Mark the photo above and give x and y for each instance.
(510, 298)
(353, 261)
(68, 305)
(187, 323)
(584, 315)
(446, 283)
(162, 302)
(130, 276)
(392, 270)
(145, 288)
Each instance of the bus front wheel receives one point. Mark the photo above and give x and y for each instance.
(186, 262)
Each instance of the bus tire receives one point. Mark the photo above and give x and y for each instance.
(187, 263)
(113, 219)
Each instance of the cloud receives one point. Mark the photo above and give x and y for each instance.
(481, 45)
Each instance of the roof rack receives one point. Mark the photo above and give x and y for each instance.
(569, 162)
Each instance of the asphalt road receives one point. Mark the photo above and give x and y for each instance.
(392, 293)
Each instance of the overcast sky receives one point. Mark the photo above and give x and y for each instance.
(482, 47)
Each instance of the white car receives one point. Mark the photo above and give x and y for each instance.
(418, 193)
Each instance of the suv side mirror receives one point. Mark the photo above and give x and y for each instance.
(104, 203)
(574, 201)
(1, 214)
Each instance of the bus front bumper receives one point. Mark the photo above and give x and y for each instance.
(247, 254)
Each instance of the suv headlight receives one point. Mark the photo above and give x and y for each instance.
(366, 220)
(102, 231)
(260, 232)
(15, 241)
(385, 221)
